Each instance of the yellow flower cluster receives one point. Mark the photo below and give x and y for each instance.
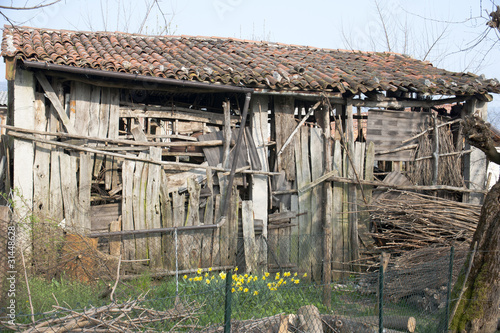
(246, 282)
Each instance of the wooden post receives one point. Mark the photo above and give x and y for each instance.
(259, 189)
(115, 241)
(24, 116)
(337, 218)
(83, 204)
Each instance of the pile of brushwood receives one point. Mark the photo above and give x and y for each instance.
(130, 316)
(406, 221)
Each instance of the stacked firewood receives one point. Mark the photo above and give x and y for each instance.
(408, 220)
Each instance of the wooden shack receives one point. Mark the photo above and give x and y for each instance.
(194, 152)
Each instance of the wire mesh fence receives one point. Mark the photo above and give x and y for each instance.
(208, 283)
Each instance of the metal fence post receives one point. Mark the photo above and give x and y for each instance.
(448, 293)
(227, 305)
(381, 300)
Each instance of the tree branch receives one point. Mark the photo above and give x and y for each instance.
(480, 135)
(40, 5)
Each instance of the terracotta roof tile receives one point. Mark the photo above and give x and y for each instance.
(239, 62)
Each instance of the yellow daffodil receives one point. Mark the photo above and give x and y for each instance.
(305, 275)
(199, 270)
(185, 277)
(207, 281)
(233, 290)
(296, 281)
(266, 274)
(210, 269)
(256, 293)
(245, 290)
(295, 274)
(236, 269)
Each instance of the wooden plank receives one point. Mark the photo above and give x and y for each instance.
(216, 239)
(284, 124)
(193, 242)
(111, 176)
(102, 215)
(317, 169)
(303, 178)
(337, 219)
(129, 248)
(41, 165)
(250, 248)
(352, 195)
(115, 241)
(294, 231)
(167, 221)
(227, 135)
(179, 218)
(138, 197)
(82, 107)
(56, 196)
(232, 221)
(260, 183)
(103, 127)
(153, 211)
(283, 241)
(84, 189)
(70, 190)
(208, 218)
(24, 116)
(325, 123)
(94, 111)
(51, 94)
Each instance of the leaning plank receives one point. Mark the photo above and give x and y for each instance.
(179, 217)
(152, 204)
(167, 221)
(51, 94)
(193, 239)
(250, 248)
(284, 121)
(70, 190)
(111, 176)
(56, 198)
(115, 241)
(84, 189)
(337, 230)
(304, 177)
(41, 165)
(317, 169)
(260, 183)
(139, 214)
(103, 127)
(208, 218)
(129, 248)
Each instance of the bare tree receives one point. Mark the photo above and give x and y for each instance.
(4, 9)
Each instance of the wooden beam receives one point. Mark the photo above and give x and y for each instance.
(51, 94)
(397, 104)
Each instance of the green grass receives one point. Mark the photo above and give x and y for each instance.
(252, 297)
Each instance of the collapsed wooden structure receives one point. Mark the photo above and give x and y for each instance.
(195, 152)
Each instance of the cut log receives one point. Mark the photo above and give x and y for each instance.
(400, 323)
(339, 324)
(310, 319)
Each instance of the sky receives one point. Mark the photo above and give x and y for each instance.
(444, 32)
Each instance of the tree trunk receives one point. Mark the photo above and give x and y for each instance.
(478, 309)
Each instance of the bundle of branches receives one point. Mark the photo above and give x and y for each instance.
(411, 221)
(420, 277)
(129, 316)
(448, 174)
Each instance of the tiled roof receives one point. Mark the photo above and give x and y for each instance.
(3, 98)
(239, 62)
